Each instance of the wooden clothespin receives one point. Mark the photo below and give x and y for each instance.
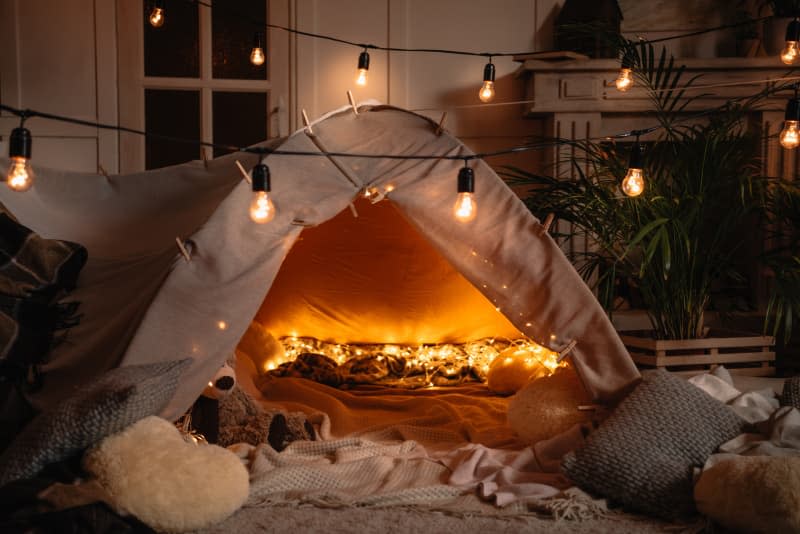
(353, 210)
(352, 101)
(548, 221)
(184, 251)
(440, 128)
(307, 123)
(564, 353)
(244, 172)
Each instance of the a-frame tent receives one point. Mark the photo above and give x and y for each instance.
(142, 302)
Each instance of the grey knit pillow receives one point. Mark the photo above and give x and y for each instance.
(116, 400)
(642, 456)
(791, 392)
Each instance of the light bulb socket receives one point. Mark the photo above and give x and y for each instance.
(488, 72)
(793, 30)
(157, 4)
(792, 110)
(637, 158)
(466, 180)
(363, 60)
(258, 40)
(261, 178)
(19, 143)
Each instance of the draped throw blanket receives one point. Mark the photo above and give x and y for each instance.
(35, 273)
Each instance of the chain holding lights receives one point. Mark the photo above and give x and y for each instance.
(486, 94)
(633, 183)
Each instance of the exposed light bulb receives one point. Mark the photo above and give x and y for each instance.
(257, 56)
(20, 174)
(486, 94)
(790, 135)
(790, 52)
(625, 80)
(465, 207)
(262, 210)
(156, 17)
(363, 67)
(633, 183)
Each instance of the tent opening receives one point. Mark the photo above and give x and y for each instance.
(357, 286)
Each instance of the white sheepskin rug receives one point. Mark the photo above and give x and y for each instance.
(548, 406)
(171, 485)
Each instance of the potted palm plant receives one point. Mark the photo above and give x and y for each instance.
(680, 238)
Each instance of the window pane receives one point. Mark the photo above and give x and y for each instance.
(173, 50)
(176, 114)
(240, 119)
(232, 33)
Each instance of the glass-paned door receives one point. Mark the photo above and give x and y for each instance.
(192, 78)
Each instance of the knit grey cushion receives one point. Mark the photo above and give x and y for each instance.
(642, 456)
(791, 392)
(116, 400)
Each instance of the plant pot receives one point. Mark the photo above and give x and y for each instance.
(740, 353)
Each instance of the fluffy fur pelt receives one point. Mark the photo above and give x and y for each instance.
(548, 406)
(242, 420)
(170, 484)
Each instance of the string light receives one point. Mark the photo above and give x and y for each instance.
(790, 51)
(486, 94)
(363, 67)
(625, 79)
(465, 209)
(633, 183)
(790, 136)
(262, 210)
(20, 174)
(257, 56)
(156, 17)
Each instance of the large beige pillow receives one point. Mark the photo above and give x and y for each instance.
(752, 494)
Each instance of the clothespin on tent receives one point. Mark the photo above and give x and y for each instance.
(353, 210)
(564, 353)
(440, 128)
(184, 251)
(548, 221)
(307, 123)
(352, 102)
(244, 172)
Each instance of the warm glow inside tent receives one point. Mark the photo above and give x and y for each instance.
(372, 278)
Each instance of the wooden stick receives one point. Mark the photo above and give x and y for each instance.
(205, 157)
(548, 221)
(307, 123)
(353, 210)
(103, 171)
(182, 248)
(244, 172)
(563, 354)
(352, 101)
(440, 128)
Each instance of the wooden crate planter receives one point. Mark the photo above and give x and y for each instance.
(741, 354)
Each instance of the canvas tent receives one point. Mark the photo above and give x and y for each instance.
(142, 302)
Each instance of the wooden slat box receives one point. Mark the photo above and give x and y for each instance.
(744, 354)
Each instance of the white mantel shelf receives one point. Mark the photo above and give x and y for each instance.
(586, 85)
